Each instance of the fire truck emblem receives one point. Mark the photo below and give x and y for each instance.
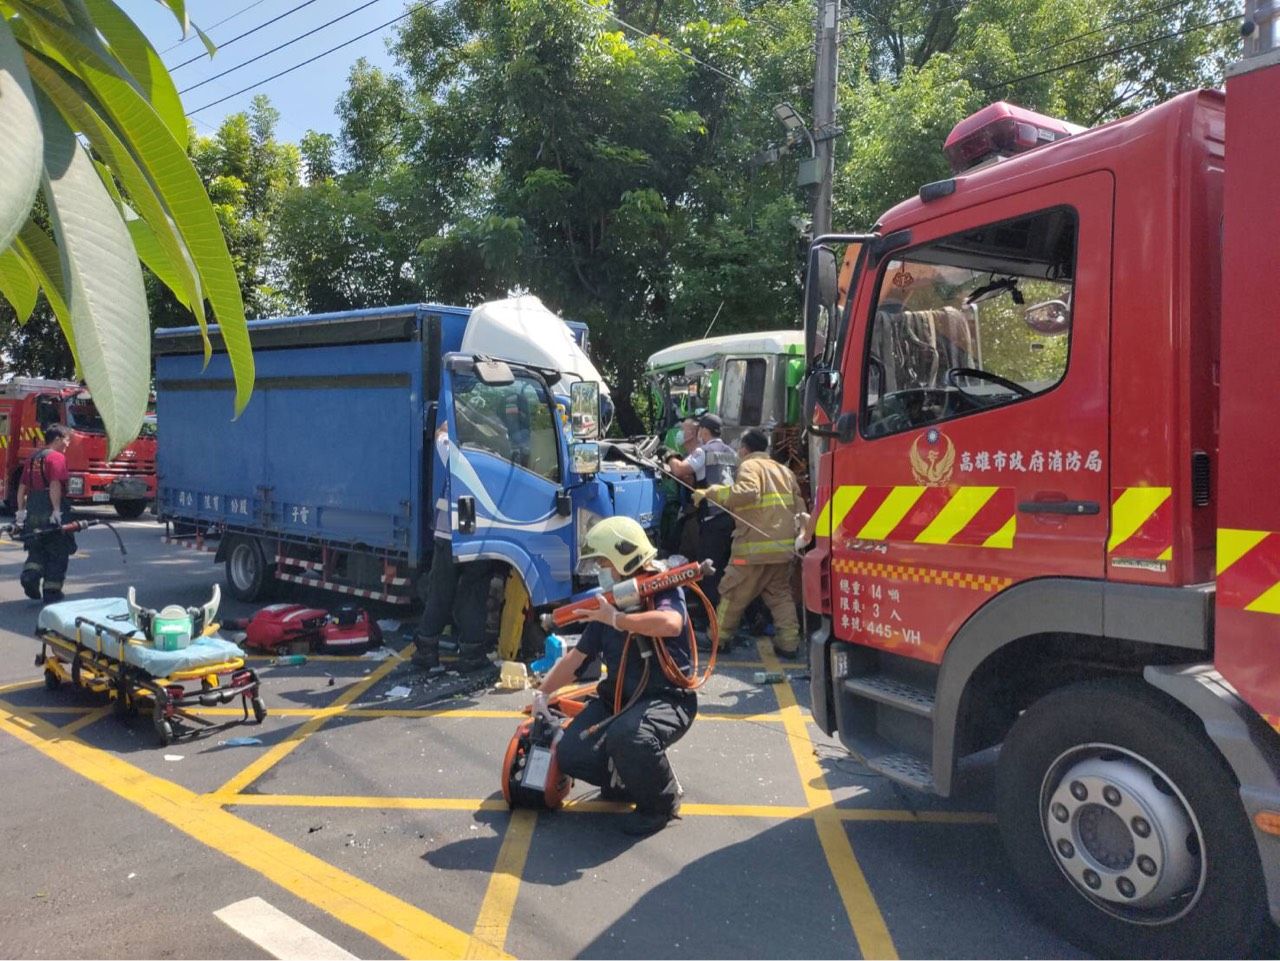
(932, 466)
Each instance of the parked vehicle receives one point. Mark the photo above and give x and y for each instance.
(28, 405)
(1047, 411)
(367, 428)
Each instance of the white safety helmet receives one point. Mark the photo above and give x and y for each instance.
(622, 542)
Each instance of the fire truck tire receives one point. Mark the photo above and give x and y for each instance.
(130, 510)
(248, 577)
(1125, 825)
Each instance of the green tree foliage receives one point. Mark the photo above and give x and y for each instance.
(93, 127)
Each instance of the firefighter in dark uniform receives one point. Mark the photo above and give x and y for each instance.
(40, 491)
(712, 463)
(628, 731)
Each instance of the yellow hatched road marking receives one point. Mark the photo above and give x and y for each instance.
(92, 717)
(958, 512)
(1234, 544)
(594, 806)
(504, 885)
(890, 514)
(396, 924)
(1132, 509)
(860, 905)
(273, 756)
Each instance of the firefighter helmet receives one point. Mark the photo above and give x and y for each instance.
(622, 542)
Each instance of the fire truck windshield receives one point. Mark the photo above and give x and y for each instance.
(82, 415)
(970, 322)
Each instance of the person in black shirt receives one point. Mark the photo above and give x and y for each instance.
(619, 740)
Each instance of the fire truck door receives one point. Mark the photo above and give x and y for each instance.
(978, 365)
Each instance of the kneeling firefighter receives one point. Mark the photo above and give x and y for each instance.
(647, 701)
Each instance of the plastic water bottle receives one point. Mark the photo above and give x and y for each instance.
(289, 660)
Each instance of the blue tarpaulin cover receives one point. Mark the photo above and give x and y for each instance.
(113, 612)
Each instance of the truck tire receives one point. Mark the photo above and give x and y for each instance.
(129, 510)
(247, 574)
(1125, 825)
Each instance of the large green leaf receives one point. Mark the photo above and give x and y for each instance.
(136, 55)
(40, 254)
(74, 100)
(18, 284)
(177, 184)
(106, 295)
(21, 143)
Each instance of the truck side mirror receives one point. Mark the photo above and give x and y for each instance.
(584, 458)
(584, 410)
(821, 292)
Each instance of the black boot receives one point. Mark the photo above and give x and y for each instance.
(427, 655)
(639, 824)
(30, 581)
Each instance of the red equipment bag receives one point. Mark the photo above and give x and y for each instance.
(280, 624)
(350, 630)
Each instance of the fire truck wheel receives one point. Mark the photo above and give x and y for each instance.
(129, 510)
(246, 567)
(1125, 825)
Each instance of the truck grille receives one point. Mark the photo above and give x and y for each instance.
(137, 465)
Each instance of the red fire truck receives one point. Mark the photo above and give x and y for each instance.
(1042, 396)
(28, 405)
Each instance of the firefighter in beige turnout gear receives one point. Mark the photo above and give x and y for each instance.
(765, 495)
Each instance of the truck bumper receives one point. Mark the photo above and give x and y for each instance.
(820, 696)
(1249, 745)
(110, 488)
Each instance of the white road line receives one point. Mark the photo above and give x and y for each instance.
(278, 934)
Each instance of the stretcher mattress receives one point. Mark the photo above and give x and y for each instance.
(113, 612)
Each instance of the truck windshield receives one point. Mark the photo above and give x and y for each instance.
(82, 415)
(513, 421)
(971, 322)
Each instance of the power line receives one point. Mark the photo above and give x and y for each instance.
(213, 26)
(201, 56)
(311, 60)
(1110, 26)
(278, 47)
(683, 53)
(1114, 51)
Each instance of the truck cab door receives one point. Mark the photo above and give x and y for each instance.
(977, 366)
(505, 473)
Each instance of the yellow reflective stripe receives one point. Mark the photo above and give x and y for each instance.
(1234, 544)
(1132, 509)
(890, 514)
(837, 509)
(1268, 603)
(763, 547)
(1004, 536)
(771, 500)
(955, 516)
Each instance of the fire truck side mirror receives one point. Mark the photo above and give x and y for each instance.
(821, 292)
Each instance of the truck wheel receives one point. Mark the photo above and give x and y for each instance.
(247, 575)
(129, 510)
(1126, 827)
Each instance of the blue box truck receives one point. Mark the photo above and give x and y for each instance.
(368, 429)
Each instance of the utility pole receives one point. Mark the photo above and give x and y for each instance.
(824, 112)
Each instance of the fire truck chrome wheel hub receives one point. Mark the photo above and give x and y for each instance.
(1122, 833)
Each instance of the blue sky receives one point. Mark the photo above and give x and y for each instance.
(305, 97)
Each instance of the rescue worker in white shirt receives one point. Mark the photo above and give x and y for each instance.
(712, 463)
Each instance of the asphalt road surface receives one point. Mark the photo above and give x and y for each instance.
(371, 825)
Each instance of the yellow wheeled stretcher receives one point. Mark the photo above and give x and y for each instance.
(172, 660)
